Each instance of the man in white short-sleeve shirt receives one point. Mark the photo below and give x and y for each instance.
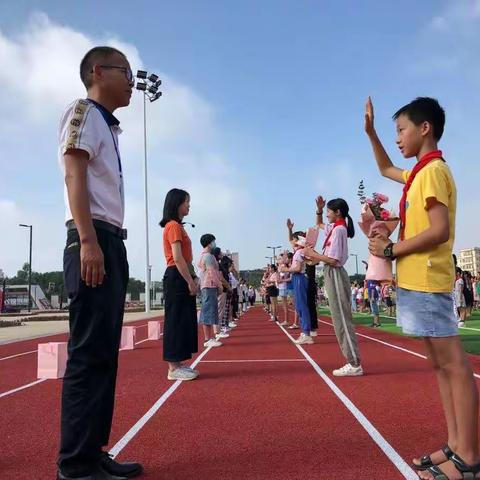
(95, 266)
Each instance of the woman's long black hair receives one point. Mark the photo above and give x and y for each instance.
(341, 205)
(175, 197)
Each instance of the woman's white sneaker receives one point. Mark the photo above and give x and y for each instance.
(212, 343)
(304, 340)
(348, 370)
(313, 333)
(182, 374)
(222, 335)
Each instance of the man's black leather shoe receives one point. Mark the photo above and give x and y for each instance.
(99, 474)
(128, 470)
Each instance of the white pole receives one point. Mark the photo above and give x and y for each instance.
(147, 253)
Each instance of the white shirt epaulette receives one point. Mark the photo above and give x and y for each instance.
(83, 127)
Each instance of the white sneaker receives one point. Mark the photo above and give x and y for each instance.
(182, 374)
(222, 335)
(232, 324)
(348, 370)
(313, 333)
(212, 343)
(304, 340)
(186, 367)
(461, 324)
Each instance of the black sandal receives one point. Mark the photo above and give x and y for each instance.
(426, 461)
(468, 471)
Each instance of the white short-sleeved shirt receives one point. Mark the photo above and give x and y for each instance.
(298, 257)
(337, 247)
(87, 125)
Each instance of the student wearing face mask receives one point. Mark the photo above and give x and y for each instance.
(211, 286)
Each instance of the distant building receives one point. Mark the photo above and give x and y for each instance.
(16, 298)
(469, 260)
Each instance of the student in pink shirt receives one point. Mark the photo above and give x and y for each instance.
(337, 281)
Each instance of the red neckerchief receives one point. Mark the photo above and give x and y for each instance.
(338, 223)
(424, 161)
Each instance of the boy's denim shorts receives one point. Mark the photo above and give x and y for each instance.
(425, 314)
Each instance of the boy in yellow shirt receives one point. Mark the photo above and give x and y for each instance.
(425, 274)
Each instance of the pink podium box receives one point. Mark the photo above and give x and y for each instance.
(154, 330)
(127, 340)
(52, 360)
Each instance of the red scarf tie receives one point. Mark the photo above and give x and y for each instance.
(338, 223)
(423, 162)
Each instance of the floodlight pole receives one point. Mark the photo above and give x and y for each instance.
(149, 88)
(145, 192)
(29, 268)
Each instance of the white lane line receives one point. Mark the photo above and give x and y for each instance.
(32, 384)
(391, 345)
(377, 437)
(146, 340)
(18, 389)
(18, 355)
(124, 441)
(253, 361)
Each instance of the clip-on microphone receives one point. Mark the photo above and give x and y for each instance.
(193, 226)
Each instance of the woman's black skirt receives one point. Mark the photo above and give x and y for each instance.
(180, 332)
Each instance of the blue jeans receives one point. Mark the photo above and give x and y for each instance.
(300, 288)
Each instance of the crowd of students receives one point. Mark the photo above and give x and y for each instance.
(423, 290)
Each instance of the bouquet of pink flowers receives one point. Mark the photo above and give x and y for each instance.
(376, 219)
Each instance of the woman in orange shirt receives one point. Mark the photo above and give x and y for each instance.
(180, 336)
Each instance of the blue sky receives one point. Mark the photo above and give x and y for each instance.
(262, 110)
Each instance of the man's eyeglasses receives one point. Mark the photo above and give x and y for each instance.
(128, 73)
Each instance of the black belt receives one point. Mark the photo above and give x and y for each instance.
(100, 224)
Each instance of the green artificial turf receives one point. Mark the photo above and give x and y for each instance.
(470, 338)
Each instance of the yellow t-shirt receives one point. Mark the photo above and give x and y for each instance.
(432, 270)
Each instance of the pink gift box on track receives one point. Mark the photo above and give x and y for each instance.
(52, 360)
(154, 330)
(127, 340)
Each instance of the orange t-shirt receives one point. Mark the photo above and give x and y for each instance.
(174, 232)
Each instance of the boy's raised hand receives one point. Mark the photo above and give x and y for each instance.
(289, 224)
(369, 118)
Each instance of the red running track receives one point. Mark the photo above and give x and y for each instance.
(262, 408)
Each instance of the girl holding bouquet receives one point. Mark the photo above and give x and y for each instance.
(337, 283)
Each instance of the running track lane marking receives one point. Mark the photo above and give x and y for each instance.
(377, 437)
(51, 335)
(125, 440)
(419, 355)
(32, 384)
(249, 361)
(18, 355)
(23, 387)
(391, 345)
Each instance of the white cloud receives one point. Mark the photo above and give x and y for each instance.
(41, 79)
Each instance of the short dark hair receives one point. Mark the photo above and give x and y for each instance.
(297, 234)
(94, 56)
(175, 197)
(206, 239)
(425, 109)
